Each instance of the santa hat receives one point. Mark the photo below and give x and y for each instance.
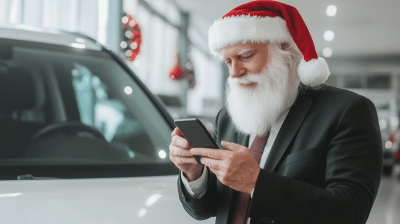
(270, 21)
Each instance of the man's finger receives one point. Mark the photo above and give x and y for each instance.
(180, 142)
(214, 171)
(231, 146)
(183, 160)
(178, 151)
(208, 152)
(186, 160)
(211, 163)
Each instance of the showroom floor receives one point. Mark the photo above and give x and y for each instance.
(386, 209)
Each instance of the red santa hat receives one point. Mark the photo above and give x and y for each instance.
(270, 21)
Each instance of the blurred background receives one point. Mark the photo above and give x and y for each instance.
(165, 43)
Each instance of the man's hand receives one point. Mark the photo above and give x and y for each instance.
(179, 154)
(235, 167)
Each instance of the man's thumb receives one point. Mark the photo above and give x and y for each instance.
(228, 145)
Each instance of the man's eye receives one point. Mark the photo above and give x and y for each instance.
(228, 62)
(247, 57)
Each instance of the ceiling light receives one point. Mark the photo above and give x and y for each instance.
(327, 52)
(329, 35)
(331, 10)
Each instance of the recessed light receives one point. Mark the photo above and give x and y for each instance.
(327, 52)
(329, 35)
(331, 10)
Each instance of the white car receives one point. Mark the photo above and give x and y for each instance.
(82, 140)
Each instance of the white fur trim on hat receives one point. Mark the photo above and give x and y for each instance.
(244, 28)
(313, 72)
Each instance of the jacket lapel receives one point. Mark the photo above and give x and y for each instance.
(292, 123)
(243, 139)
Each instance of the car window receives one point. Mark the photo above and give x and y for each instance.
(77, 108)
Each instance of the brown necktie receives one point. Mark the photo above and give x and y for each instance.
(257, 148)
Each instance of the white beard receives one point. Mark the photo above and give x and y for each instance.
(254, 110)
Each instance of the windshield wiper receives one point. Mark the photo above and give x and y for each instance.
(31, 177)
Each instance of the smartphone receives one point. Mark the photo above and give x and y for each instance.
(196, 134)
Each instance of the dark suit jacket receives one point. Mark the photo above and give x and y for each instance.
(324, 166)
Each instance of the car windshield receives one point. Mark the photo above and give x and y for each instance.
(67, 108)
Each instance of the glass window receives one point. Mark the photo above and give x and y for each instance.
(78, 108)
(352, 82)
(332, 80)
(379, 82)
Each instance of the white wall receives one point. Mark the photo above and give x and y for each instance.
(208, 85)
(71, 15)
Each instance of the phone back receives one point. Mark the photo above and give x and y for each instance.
(195, 133)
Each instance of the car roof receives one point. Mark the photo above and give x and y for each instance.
(50, 36)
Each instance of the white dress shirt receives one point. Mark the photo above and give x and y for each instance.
(197, 188)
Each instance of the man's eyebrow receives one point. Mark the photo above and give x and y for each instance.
(238, 54)
(245, 51)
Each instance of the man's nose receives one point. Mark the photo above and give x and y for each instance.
(237, 70)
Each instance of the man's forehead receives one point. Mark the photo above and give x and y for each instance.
(238, 49)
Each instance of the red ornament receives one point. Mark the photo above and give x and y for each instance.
(396, 155)
(393, 138)
(125, 21)
(135, 40)
(177, 72)
(137, 35)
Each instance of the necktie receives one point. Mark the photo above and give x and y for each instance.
(257, 148)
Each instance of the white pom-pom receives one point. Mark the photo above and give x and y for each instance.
(313, 72)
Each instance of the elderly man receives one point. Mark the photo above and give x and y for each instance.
(292, 150)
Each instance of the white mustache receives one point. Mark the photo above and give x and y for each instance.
(247, 79)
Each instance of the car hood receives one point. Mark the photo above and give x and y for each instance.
(109, 200)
